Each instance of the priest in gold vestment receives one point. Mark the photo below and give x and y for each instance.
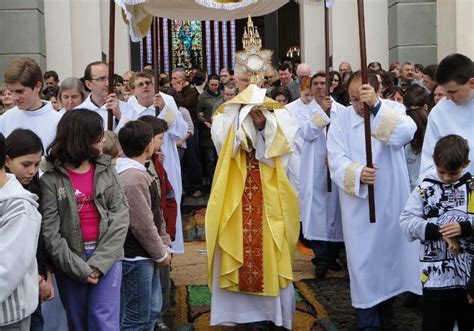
(252, 220)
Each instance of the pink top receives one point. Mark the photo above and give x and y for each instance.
(89, 216)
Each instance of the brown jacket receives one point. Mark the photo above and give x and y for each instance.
(144, 237)
(188, 98)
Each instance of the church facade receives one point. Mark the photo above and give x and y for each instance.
(66, 35)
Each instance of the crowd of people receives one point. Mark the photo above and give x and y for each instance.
(90, 215)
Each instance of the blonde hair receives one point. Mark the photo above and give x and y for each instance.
(111, 144)
(3, 88)
(24, 71)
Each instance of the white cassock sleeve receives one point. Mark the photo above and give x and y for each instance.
(344, 172)
(177, 126)
(411, 220)
(312, 128)
(393, 127)
(432, 136)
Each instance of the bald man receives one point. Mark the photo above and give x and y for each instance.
(303, 70)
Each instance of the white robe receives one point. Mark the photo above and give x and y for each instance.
(43, 122)
(381, 262)
(447, 118)
(230, 308)
(319, 209)
(102, 111)
(177, 129)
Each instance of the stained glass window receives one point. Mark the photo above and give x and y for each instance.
(186, 44)
(209, 45)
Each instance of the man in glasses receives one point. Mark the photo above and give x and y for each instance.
(96, 80)
(162, 106)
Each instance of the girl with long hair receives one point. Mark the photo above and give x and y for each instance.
(85, 222)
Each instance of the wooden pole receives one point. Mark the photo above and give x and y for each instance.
(326, 52)
(110, 116)
(368, 143)
(154, 47)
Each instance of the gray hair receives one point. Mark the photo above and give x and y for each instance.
(230, 86)
(181, 71)
(71, 83)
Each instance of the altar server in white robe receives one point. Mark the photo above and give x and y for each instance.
(96, 79)
(177, 129)
(320, 210)
(381, 263)
(454, 114)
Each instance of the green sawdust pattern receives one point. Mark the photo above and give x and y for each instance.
(199, 296)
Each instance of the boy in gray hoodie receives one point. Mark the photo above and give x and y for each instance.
(20, 224)
(146, 245)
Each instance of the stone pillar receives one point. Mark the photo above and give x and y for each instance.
(455, 27)
(23, 34)
(412, 31)
(59, 44)
(344, 33)
(312, 35)
(77, 33)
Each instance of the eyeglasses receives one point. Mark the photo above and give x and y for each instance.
(100, 79)
(354, 101)
(143, 84)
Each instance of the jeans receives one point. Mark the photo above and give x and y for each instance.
(23, 325)
(442, 308)
(54, 315)
(210, 160)
(141, 298)
(375, 317)
(37, 320)
(92, 307)
(165, 280)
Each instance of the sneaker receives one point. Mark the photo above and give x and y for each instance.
(334, 266)
(197, 194)
(321, 268)
(161, 327)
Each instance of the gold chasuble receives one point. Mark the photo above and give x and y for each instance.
(252, 215)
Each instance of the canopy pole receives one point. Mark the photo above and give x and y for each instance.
(368, 138)
(110, 116)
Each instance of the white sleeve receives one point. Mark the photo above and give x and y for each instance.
(344, 172)
(411, 220)
(313, 127)
(393, 127)
(19, 231)
(431, 137)
(177, 126)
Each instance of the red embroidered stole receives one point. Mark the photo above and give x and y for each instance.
(251, 273)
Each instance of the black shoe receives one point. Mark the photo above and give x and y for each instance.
(334, 266)
(321, 268)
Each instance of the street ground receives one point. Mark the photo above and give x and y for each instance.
(332, 292)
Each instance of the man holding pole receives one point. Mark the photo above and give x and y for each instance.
(100, 100)
(381, 263)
